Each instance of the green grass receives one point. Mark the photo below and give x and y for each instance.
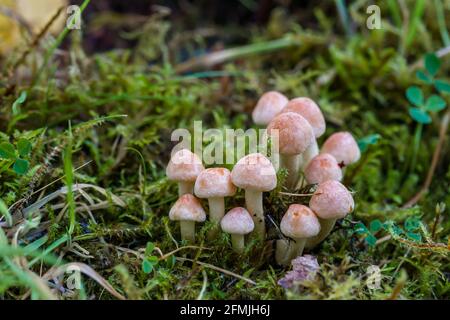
(73, 119)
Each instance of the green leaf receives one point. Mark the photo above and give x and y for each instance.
(414, 236)
(415, 96)
(371, 240)
(432, 63)
(435, 103)
(149, 249)
(21, 166)
(5, 212)
(20, 100)
(365, 142)
(7, 151)
(423, 77)
(24, 147)
(153, 260)
(147, 266)
(360, 228)
(419, 115)
(375, 226)
(442, 86)
(170, 262)
(412, 224)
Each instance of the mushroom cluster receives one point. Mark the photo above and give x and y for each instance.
(297, 124)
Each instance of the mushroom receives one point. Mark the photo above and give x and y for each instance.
(343, 147)
(215, 184)
(238, 223)
(295, 135)
(268, 106)
(187, 210)
(321, 168)
(330, 201)
(184, 167)
(299, 223)
(309, 110)
(255, 174)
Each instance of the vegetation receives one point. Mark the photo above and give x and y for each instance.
(85, 138)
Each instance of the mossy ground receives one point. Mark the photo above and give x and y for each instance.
(359, 80)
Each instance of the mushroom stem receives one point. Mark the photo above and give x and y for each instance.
(291, 163)
(238, 242)
(326, 225)
(295, 249)
(310, 152)
(187, 229)
(254, 204)
(281, 256)
(216, 213)
(185, 187)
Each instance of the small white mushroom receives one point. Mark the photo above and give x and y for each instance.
(255, 174)
(295, 135)
(215, 184)
(299, 223)
(188, 211)
(343, 147)
(238, 223)
(184, 167)
(309, 110)
(268, 106)
(321, 168)
(330, 201)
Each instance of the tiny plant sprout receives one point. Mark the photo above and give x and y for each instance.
(238, 223)
(295, 135)
(343, 147)
(309, 110)
(188, 211)
(299, 223)
(321, 168)
(268, 106)
(330, 201)
(255, 174)
(214, 184)
(184, 167)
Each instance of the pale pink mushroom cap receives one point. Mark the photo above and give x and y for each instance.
(237, 221)
(332, 200)
(295, 134)
(268, 106)
(343, 147)
(188, 208)
(254, 172)
(214, 182)
(184, 166)
(309, 110)
(323, 167)
(299, 221)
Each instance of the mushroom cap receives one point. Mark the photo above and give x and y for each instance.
(323, 167)
(237, 221)
(343, 147)
(299, 221)
(295, 134)
(268, 106)
(184, 166)
(187, 208)
(309, 110)
(331, 200)
(254, 172)
(214, 182)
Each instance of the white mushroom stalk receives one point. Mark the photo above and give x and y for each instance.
(331, 201)
(184, 167)
(295, 135)
(255, 174)
(299, 223)
(215, 184)
(187, 210)
(238, 223)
